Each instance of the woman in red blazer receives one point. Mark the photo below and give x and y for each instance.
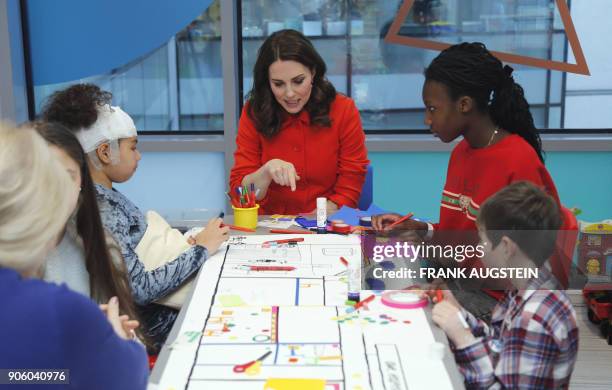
(297, 138)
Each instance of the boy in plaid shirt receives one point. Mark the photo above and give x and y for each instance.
(532, 340)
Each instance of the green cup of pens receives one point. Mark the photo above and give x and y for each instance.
(245, 206)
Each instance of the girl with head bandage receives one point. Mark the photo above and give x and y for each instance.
(112, 125)
(108, 136)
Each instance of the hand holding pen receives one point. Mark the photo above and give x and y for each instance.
(392, 221)
(213, 235)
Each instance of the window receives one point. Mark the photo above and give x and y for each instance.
(385, 79)
(200, 72)
(175, 87)
(178, 86)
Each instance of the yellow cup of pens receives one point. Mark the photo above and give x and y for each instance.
(246, 217)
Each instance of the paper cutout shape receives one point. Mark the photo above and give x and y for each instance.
(294, 384)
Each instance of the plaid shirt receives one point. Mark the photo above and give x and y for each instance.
(532, 340)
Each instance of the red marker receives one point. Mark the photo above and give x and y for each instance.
(270, 268)
(242, 229)
(344, 261)
(287, 241)
(439, 296)
(364, 301)
(402, 219)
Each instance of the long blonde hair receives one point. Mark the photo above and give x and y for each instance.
(34, 198)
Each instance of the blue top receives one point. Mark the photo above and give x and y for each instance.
(47, 326)
(127, 224)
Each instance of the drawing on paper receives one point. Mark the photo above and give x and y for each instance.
(297, 320)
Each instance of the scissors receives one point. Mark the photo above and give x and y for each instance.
(253, 367)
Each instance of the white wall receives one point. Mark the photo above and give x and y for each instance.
(592, 109)
(592, 22)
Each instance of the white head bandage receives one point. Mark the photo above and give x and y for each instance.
(112, 124)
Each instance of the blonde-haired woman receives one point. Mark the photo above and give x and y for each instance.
(44, 325)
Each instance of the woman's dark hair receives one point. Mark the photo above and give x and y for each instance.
(469, 69)
(264, 110)
(527, 215)
(106, 278)
(76, 107)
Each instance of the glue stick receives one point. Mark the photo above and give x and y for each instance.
(321, 215)
(354, 278)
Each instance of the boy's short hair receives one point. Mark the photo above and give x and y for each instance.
(525, 214)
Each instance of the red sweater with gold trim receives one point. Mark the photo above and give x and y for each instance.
(475, 174)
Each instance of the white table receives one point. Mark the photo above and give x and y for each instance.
(314, 336)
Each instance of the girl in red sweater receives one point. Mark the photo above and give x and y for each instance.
(468, 92)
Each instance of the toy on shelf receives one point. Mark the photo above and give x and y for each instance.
(595, 251)
(595, 259)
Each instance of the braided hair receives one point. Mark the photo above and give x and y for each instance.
(469, 69)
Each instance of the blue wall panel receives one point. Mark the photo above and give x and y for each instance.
(73, 39)
(413, 181)
(403, 182)
(168, 182)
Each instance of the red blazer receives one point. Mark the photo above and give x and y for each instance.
(331, 161)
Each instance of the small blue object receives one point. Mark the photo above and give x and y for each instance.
(387, 265)
(351, 216)
(306, 223)
(375, 284)
(365, 221)
(367, 191)
(349, 309)
(353, 296)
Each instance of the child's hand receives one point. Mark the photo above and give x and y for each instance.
(382, 223)
(446, 316)
(438, 289)
(122, 325)
(213, 235)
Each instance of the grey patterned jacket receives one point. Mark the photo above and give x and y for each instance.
(127, 225)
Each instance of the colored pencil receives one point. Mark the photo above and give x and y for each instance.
(287, 241)
(270, 268)
(365, 301)
(242, 229)
(402, 219)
